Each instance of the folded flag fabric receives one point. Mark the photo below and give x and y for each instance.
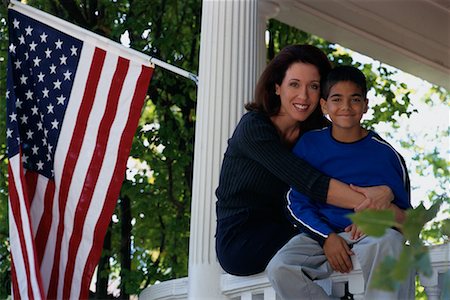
(73, 104)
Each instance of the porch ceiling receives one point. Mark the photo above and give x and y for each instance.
(411, 35)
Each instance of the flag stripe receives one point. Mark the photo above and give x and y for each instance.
(61, 153)
(37, 205)
(46, 221)
(94, 170)
(17, 213)
(72, 157)
(116, 182)
(88, 152)
(16, 256)
(31, 179)
(106, 174)
(14, 284)
(25, 246)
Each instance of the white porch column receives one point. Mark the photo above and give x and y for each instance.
(231, 55)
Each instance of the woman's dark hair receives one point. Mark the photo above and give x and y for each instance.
(266, 101)
(344, 73)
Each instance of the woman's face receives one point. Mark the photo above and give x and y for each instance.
(299, 91)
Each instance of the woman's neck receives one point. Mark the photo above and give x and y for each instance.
(288, 130)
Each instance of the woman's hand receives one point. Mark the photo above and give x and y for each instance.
(377, 197)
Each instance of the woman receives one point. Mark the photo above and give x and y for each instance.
(258, 165)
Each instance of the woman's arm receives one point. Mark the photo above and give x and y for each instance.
(359, 198)
(400, 214)
(259, 140)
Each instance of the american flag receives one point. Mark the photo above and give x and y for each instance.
(73, 103)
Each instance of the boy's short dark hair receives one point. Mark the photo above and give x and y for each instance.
(344, 73)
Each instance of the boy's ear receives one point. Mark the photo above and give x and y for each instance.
(323, 105)
(367, 105)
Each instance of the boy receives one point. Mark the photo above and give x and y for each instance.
(352, 154)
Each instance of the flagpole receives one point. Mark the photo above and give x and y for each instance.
(174, 69)
(43, 16)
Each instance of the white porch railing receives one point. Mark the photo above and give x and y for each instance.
(257, 287)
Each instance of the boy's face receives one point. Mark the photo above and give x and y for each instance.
(345, 105)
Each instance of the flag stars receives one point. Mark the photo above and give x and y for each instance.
(18, 103)
(33, 46)
(45, 92)
(23, 79)
(37, 61)
(17, 63)
(44, 141)
(16, 23)
(58, 44)
(49, 157)
(12, 48)
(45, 134)
(7, 94)
(50, 108)
(63, 60)
(29, 95)
(29, 134)
(40, 165)
(57, 84)
(9, 133)
(55, 124)
(13, 117)
(41, 77)
(73, 51)
(39, 126)
(52, 69)
(61, 99)
(34, 110)
(50, 148)
(43, 37)
(25, 158)
(24, 119)
(21, 40)
(67, 75)
(28, 30)
(48, 53)
(35, 149)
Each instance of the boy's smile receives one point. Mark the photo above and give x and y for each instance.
(345, 105)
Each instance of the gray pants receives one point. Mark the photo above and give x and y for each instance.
(302, 260)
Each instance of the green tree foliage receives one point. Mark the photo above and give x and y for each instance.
(147, 240)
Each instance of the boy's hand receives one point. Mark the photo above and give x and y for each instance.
(354, 231)
(338, 253)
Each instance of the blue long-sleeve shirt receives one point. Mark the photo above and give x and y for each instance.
(370, 161)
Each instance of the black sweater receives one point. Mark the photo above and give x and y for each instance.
(258, 169)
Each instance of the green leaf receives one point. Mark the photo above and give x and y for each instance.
(416, 219)
(404, 264)
(445, 293)
(423, 263)
(373, 222)
(383, 277)
(445, 229)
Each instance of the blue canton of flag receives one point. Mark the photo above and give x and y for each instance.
(42, 67)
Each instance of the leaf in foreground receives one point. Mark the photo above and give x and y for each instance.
(374, 222)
